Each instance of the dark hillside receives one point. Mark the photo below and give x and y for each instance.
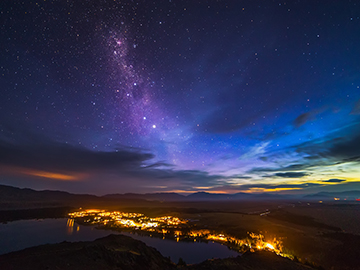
(122, 252)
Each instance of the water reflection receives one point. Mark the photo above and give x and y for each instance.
(22, 234)
(70, 226)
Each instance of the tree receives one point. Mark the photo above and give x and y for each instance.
(181, 262)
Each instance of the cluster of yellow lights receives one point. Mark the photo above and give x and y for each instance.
(254, 242)
(123, 219)
(172, 225)
(260, 243)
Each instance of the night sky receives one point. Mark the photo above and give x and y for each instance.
(180, 96)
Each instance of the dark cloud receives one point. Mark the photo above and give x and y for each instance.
(49, 155)
(264, 158)
(241, 177)
(291, 174)
(334, 181)
(302, 119)
(123, 168)
(356, 109)
(322, 152)
(261, 169)
(346, 148)
(192, 177)
(292, 167)
(303, 185)
(302, 188)
(343, 148)
(247, 187)
(159, 165)
(292, 170)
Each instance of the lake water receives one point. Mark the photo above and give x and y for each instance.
(21, 234)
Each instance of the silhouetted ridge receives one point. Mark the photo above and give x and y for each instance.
(122, 252)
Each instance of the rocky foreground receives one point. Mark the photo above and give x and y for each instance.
(123, 252)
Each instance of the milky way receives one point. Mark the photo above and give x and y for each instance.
(180, 96)
(135, 100)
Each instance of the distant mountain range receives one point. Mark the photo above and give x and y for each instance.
(198, 196)
(26, 198)
(205, 196)
(348, 195)
(16, 197)
(9, 193)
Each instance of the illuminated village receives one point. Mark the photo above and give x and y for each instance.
(171, 228)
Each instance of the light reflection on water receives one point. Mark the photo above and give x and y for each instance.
(21, 234)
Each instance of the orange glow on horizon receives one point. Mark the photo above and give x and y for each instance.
(192, 191)
(14, 170)
(260, 190)
(51, 175)
(177, 191)
(216, 192)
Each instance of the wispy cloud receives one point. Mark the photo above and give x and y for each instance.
(255, 151)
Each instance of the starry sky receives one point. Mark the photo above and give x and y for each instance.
(180, 96)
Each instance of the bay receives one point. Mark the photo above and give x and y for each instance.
(22, 234)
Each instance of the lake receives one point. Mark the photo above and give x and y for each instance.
(21, 234)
